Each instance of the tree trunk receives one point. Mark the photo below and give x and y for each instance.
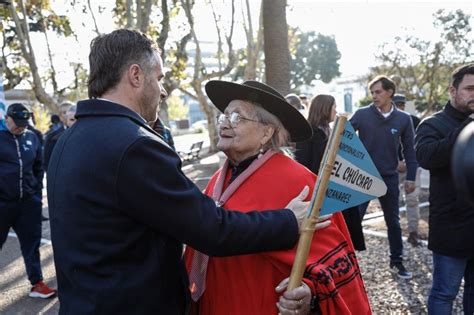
(129, 13)
(277, 52)
(22, 31)
(165, 28)
(254, 46)
(144, 18)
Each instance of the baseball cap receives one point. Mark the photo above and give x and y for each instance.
(399, 98)
(19, 113)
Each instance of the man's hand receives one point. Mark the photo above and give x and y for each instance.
(402, 167)
(300, 210)
(409, 186)
(296, 301)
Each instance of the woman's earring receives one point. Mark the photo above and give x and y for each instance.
(260, 153)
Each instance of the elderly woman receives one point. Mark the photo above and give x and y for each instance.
(256, 123)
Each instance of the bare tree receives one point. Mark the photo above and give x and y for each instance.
(201, 75)
(96, 28)
(275, 38)
(134, 14)
(254, 45)
(22, 31)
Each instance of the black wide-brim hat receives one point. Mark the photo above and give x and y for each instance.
(222, 93)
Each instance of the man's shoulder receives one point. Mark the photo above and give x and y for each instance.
(30, 135)
(403, 115)
(435, 119)
(439, 121)
(53, 133)
(120, 130)
(5, 135)
(364, 109)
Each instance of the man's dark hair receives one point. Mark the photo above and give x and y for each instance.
(387, 83)
(459, 73)
(112, 53)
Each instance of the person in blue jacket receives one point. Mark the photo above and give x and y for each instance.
(382, 128)
(21, 177)
(120, 206)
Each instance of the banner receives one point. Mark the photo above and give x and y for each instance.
(354, 177)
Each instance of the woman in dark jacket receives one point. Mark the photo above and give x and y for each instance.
(322, 111)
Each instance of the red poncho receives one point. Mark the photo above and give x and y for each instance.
(246, 284)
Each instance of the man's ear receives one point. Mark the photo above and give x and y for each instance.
(452, 91)
(135, 75)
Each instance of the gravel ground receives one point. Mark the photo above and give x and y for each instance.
(387, 293)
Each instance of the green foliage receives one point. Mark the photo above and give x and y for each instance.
(424, 67)
(313, 57)
(176, 108)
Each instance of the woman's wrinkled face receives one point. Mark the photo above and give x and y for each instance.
(243, 139)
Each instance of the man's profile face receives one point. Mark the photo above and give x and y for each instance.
(63, 114)
(153, 92)
(462, 98)
(70, 119)
(380, 97)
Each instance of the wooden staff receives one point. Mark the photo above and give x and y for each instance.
(308, 228)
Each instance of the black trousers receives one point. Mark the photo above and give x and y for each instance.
(24, 216)
(354, 225)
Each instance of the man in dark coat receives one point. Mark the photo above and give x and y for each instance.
(120, 205)
(52, 137)
(451, 219)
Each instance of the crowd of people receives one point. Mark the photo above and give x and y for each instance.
(120, 221)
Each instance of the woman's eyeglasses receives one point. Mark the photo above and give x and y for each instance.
(234, 119)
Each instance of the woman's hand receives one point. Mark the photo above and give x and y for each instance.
(296, 301)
